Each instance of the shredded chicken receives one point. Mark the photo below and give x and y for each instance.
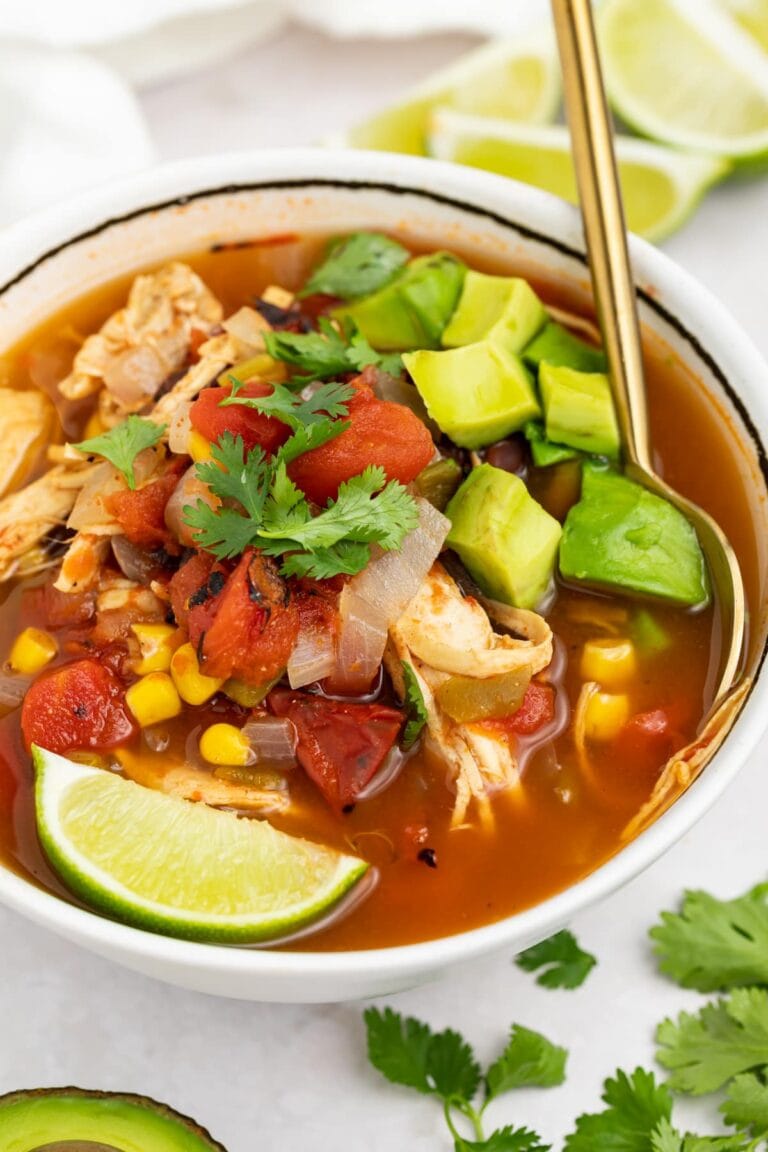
(199, 784)
(444, 633)
(26, 422)
(30, 514)
(140, 345)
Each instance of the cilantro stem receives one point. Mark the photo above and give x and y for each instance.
(466, 1109)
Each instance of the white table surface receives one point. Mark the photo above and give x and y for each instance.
(295, 1078)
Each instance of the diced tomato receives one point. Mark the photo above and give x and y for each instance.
(254, 624)
(54, 609)
(379, 432)
(646, 742)
(79, 705)
(212, 421)
(341, 745)
(190, 579)
(536, 711)
(141, 513)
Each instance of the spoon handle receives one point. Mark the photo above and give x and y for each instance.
(603, 216)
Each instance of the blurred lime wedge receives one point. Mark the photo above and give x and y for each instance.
(752, 15)
(515, 81)
(685, 72)
(661, 187)
(180, 868)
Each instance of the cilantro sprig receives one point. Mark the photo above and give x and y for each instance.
(328, 352)
(442, 1064)
(261, 507)
(357, 265)
(123, 443)
(294, 409)
(563, 963)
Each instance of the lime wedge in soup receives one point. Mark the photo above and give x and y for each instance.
(127, 851)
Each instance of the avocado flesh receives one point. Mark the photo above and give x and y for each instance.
(556, 345)
(624, 538)
(412, 310)
(578, 410)
(477, 394)
(543, 451)
(53, 1118)
(495, 306)
(506, 541)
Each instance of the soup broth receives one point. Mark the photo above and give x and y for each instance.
(433, 877)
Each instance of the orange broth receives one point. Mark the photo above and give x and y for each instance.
(566, 820)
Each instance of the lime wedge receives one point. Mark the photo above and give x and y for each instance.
(687, 73)
(180, 868)
(752, 15)
(661, 187)
(517, 80)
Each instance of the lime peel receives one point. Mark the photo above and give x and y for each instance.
(661, 187)
(180, 868)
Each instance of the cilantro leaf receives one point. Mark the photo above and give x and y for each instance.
(357, 265)
(327, 352)
(529, 1060)
(715, 944)
(746, 1103)
(415, 708)
(564, 963)
(726, 1037)
(295, 410)
(636, 1105)
(309, 437)
(234, 474)
(224, 533)
(505, 1139)
(665, 1138)
(407, 1052)
(123, 443)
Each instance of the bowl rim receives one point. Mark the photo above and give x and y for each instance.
(548, 220)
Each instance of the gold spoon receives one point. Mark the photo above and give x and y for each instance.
(606, 237)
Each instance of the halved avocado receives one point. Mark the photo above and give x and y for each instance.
(75, 1120)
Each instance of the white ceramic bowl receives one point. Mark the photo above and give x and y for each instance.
(48, 260)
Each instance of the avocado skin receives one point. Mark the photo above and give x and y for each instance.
(31, 1119)
(621, 537)
(505, 540)
(578, 410)
(499, 307)
(556, 345)
(414, 308)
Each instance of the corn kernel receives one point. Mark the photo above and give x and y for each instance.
(280, 297)
(605, 716)
(94, 427)
(609, 662)
(32, 650)
(225, 744)
(153, 699)
(157, 643)
(262, 366)
(192, 685)
(198, 447)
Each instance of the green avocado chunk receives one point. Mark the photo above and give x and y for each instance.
(556, 345)
(543, 451)
(506, 541)
(477, 394)
(412, 310)
(495, 306)
(624, 538)
(578, 410)
(61, 1119)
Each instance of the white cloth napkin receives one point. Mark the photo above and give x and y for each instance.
(70, 71)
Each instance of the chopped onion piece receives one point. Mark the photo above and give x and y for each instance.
(186, 493)
(179, 429)
(272, 740)
(248, 326)
(313, 657)
(391, 581)
(135, 375)
(13, 689)
(90, 513)
(361, 643)
(136, 563)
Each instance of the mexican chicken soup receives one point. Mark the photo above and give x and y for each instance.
(327, 614)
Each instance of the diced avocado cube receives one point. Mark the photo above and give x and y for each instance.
(543, 451)
(412, 310)
(624, 538)
(556, 345)
(477, 394)
(497, 306)
(578, 410)
(506, 541)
